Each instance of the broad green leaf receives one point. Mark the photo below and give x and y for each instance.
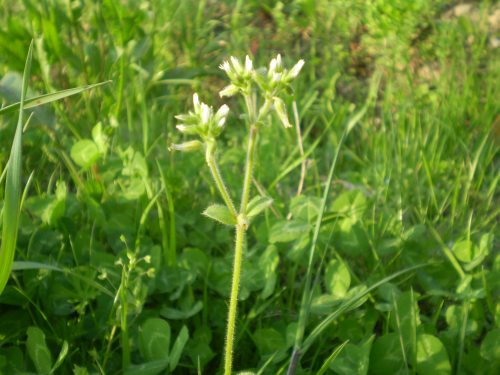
(386, 356)
(268, 341)
(305, 208)
(354, 359)
(85, 153)
(432, 357)
(337, 278)
(268, 263)
(154, 339)
(288, 231)
(180, 342)
(175, 314)
(38, 350)
(48, 98)
(490, 347)
(405, 319)
(220, 213)
(351, 204)
(257, 205)
(148, 368)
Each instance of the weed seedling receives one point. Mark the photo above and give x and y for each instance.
(263, 90)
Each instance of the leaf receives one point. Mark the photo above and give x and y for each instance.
(48, 98)
(288, 231)
(12, 203)
(176, 314)
(431, 356)
(220, 213)
(38, 350)
(154, 339)
(337, 278)
(490, 347)
(60, 358)
(354, 359)
(257, 205)
(268, 341)
(85, 153)
(148, 368)
(331, 358)
(386, 356)
(178, 347)
(268, 263)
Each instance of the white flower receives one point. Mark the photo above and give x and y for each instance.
(225, 66)
(220, 116)
(187, 146)
(206, 112)
(196, 102)
(294, 72)
(248, 64)
(236, 65)
(229, 91)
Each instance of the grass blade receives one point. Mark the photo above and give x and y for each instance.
(13, 187)
(48, 98)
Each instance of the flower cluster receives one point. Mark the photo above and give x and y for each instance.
(201, 122)
(241, 77)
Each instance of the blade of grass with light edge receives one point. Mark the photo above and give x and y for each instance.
(12, 198)
(306, 296)
(48, 98)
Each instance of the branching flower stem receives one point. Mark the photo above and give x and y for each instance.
(219, 182)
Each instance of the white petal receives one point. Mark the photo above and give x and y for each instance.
(205, 113)
(296, 69)
(222, 112)
(225, 66)
(236, 65)
(196, 100)
(248, 64)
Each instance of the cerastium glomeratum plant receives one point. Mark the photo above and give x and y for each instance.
(263, 90)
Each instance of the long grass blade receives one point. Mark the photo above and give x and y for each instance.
(13, 187)
(48, 98)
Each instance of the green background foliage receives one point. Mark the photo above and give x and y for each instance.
(116, 267)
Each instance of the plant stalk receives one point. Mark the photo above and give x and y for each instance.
(214, 169)
(247, 182)
(233, 302)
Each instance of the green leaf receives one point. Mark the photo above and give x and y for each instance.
(386, 356)
(38, 350)
(337, 278)
(490, 347)
(12, 197)
(257, 205)
(60, 358)
(354, 359)
(220, 213)
(85, 153)
(268, 263)
(288, 231)
(48, 98)
(180, 342)
(148, 368)
(431, 356)
(268, 341)
(331, 358)
(154, 339)
(175, 314)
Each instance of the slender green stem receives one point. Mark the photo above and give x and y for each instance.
(233, 302)
(214, 169)
(123, 324)
(247, 182)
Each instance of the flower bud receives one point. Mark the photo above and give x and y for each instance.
(279, 106)
(229, 91)
(294, 72)
(187, 146)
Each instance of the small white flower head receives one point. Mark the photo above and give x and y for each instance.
(248, 65)
(187, 146)
(280, 108)
(229, 90)
(236, 65)
(294, 72)
(206, 113)
(225, 66)
(196, 103)
(220, 116)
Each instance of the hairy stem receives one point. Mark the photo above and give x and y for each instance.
(233, 302)
(214, 169)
